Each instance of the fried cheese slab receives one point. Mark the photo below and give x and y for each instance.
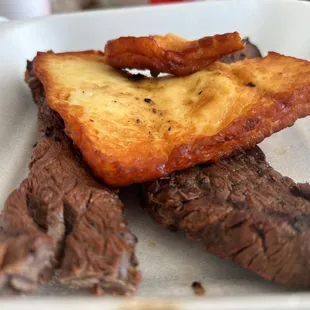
(170, 54)
(135, 131)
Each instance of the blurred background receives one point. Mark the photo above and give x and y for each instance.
(69, 5)
(21, 9)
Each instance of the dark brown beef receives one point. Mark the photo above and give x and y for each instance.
(250, 51)
(26, 251)
(242, 210)
(32, 224)
(100, 249)
(61, 196)
(32, 227)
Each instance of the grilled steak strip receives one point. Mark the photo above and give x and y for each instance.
(99, 250)
(26, 251)
(240, 209)
(32, 227)
(60, 196)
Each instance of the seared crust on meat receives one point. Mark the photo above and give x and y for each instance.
(137, 131)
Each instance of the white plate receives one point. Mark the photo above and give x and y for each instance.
(169, 262)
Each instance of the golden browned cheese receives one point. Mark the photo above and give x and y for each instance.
(170, 53)
(137, 131)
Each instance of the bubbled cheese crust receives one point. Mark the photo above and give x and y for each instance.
(134, 131)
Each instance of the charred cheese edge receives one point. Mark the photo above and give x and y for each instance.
(133, 131)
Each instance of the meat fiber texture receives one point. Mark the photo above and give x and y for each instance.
(240, 209)
(61, 213)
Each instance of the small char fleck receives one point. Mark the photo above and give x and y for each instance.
(169, 128)
(137, 98)
(114, 101)
(83, 91)
(137, 121)
(200, 92)
(154, 110)
(149, 133)
(136, 77)
(35, 144)
(198, 288)
(260, 172)
(57, 139)
(147, 100)
(251, 84)
(91, 120)
(169, 121)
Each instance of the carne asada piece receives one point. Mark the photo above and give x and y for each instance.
(27, 253)
(32, 227)
(240, 209)
(60, 196)
(99, 251)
